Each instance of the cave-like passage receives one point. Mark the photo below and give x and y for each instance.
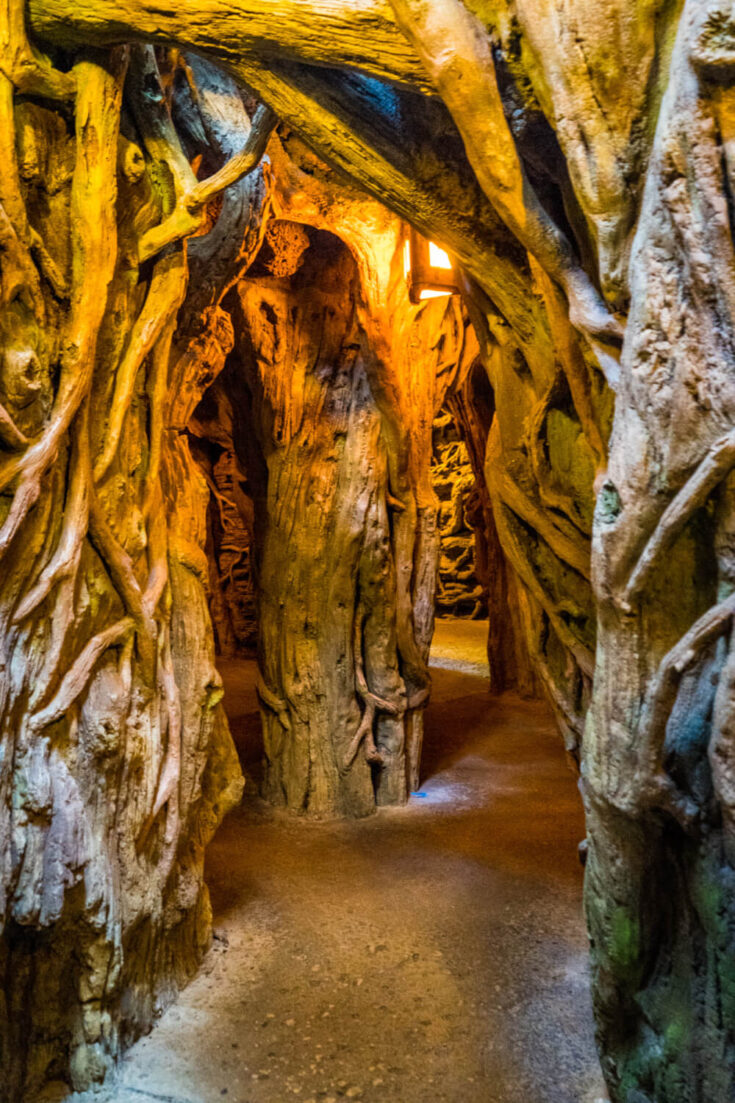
(434, 951)
(577, 161)
(438, 947)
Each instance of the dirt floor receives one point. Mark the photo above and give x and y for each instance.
(433, 953)
(460, 644)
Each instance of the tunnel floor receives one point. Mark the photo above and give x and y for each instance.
(431, 953)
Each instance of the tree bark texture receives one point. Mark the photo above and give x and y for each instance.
(532, 140)
(117, 764)
(658, 768)
(344, 390)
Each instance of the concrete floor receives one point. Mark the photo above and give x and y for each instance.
(432, 953)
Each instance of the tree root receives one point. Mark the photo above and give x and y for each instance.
(165, 295)
(168, 779)
(92, 198)
(273, 702)
(78, 675)
(659, 790)
(65, 560)
(713, 469)
(373, 705)
(120, 567)
(10, 434)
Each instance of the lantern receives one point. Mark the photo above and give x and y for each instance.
(428, 269)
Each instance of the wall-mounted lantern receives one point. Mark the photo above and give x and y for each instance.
(428, 269)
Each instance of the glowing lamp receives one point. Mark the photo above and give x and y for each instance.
(428, 269)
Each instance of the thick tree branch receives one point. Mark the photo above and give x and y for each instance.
(456, 52)
(361, 33)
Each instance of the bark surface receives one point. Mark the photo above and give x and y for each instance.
(532, 140)
(345, 377)
(117, 763)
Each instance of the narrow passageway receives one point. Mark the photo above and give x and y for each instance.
(435, 952)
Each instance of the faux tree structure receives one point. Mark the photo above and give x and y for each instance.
(576, 160)
(117, 760)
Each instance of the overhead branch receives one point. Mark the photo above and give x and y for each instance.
(391, 145)
(456, 52)
(280, 50)
(361, 33)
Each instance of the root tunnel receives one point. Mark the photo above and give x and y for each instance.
(328, 331)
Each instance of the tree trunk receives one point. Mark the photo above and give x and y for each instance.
(117, 762)
(346, 517)
(659, 778)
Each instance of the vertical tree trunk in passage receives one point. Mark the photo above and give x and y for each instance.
(347, 522)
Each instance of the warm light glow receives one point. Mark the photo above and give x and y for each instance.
(430, 293)
(438, 258)
(407, 258)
